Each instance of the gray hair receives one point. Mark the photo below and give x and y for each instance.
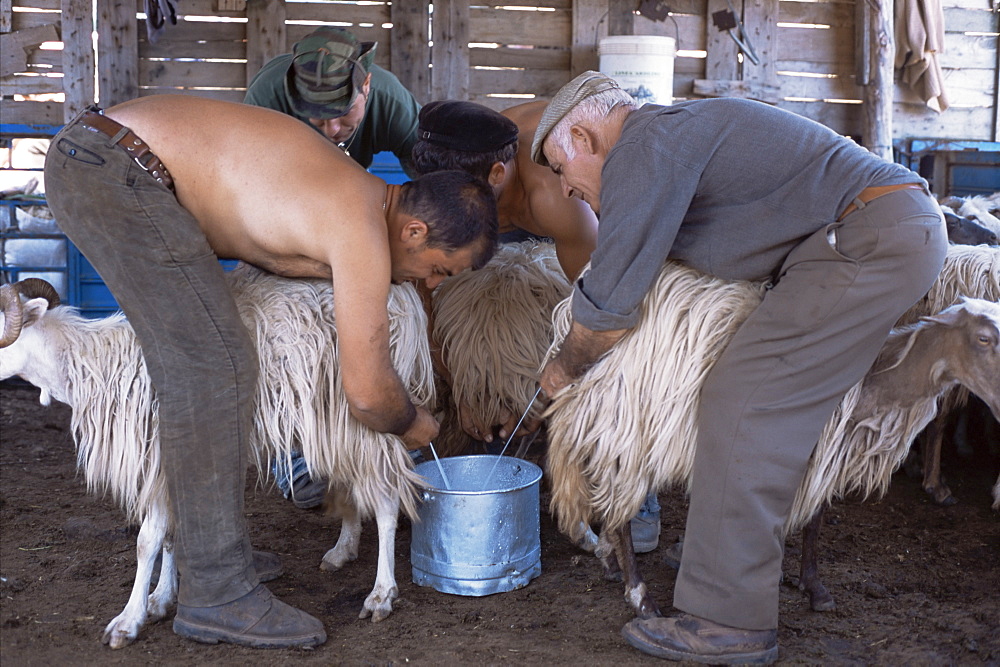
(589, 112)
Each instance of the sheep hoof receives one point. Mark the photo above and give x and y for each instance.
(334, 560)
(120, 633)
(941, 496)
(821, 601)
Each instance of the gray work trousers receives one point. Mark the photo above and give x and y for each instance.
(763, 406)
(155, 259)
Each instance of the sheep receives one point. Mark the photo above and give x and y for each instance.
(493, 327)
(983, 209)
(968, 271)
(607, 449)
(966, 231)
(96, 367)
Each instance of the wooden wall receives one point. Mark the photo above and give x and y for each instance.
(497, 55)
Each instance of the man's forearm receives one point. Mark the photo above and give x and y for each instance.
(583, 347)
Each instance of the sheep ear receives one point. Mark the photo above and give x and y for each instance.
(948, 317)
(34, 310)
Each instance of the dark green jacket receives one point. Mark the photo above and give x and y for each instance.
(390, 122)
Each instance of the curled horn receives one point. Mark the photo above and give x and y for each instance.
(33, 288)
(13, 312)
(13, 309)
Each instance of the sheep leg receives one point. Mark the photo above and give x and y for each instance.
(584, 538)
(346, 548)
(636, 594)
(124, 628)
(378, 604)
(605, 552)
(819, 598)
(165, 593)
(932, 482)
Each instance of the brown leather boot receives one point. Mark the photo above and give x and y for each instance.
(258, 619)
(688, 637)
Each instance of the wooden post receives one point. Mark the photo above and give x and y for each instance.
(877, 121)
(266, 34)
(588, 28)
(117, 51)
(6, 16)
(78, 56)
(450, 53)
(410, 52)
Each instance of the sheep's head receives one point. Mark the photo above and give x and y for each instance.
(13, 309)
(975, 357)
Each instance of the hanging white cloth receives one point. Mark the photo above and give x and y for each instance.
(919, 40)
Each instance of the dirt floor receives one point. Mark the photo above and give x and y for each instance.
(914, 583)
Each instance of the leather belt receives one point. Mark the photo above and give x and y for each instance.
(129, 142)
(868, 194)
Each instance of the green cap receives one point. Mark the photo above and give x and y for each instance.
(327, 71)
(586, 85)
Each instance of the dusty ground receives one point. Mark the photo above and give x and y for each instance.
(914, 583)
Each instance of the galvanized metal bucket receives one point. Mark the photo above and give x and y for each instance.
(475, 541)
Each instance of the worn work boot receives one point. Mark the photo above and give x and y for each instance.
(688, 637)
(672, 555)
(258, 620)
(646, 526)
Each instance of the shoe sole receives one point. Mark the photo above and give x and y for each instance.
(765, 657)
(645, 548)
(210, 635)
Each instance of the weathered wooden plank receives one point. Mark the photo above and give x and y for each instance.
(822, 46)
(117, 51)
(621, 18)
(721, 62)
(513, 27)
(410, 52)
(349, 15)
(517, 57)
(752, 90)
(6, 9)
(15, 47)
(450, 53)
(230, 95)
(20, 84)
(191, 74)
(194, 31)
(266, 36)
(31, 113)
(975, 124)
(760, 19)
(50, 5)
(45, 61)
(543, 83)
(964, 88)
(586, 30)
(835, 14)
(170, 49)
(876, 127)
(205, 8)
(842, 118)
(977, 51)
(688, 29)
(960, 19)
(78, 56)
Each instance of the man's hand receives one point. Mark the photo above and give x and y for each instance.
(422, 431)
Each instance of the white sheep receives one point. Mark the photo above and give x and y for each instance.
(983, 209)
(96, 367)
(608, 447)
(494, 326)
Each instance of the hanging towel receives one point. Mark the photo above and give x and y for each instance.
(919, 40)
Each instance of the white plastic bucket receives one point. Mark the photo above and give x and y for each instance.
(642, 64)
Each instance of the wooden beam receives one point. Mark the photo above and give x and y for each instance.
(720, 59)
(760, 29)
(752, 90)
(862, 42)
(877, 119)
(266, 34)
(117, 51)
(410, 52)
(6, 14)
(78, 56)
(589, 25)
(450, 53)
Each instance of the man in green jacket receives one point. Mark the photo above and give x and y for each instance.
(331, 82)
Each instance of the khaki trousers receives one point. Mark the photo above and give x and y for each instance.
(763, 406)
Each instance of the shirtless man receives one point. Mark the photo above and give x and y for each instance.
(497, 148)
(154, 192)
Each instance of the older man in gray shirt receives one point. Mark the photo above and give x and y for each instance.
(746, 191)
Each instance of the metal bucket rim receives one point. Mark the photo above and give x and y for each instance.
(536, 475)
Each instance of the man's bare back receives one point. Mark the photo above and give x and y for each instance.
(266, 189)
(532, 199)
